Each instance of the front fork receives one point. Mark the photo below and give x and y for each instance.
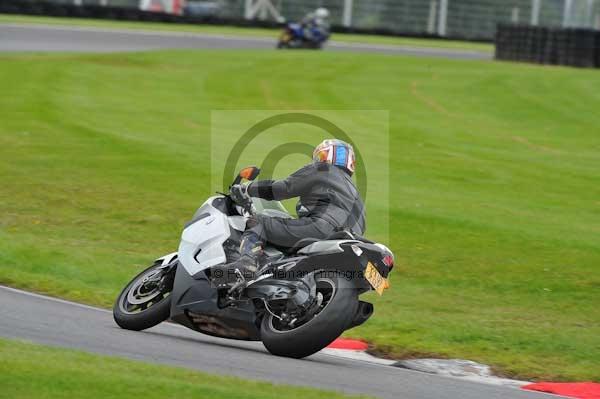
(167, 267)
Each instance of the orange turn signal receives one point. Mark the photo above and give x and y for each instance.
(246, 173)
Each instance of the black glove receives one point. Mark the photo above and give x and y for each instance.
(239, 194)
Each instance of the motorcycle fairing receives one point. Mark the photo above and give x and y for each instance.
(350, 257)
(216, 221)
(165, 260)
(195, 304)
(296, 29)
(325, 247)
(237, 223)
(202, 241)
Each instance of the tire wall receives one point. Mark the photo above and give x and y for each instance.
(551, 46)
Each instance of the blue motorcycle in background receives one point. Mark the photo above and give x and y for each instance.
(296, 35)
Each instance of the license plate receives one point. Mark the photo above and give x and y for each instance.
(378, 282)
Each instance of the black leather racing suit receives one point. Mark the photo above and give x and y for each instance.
(329, 201)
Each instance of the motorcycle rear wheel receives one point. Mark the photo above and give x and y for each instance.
(140, 305)
(329, 323)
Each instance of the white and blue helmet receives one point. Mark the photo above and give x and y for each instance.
(335, 152)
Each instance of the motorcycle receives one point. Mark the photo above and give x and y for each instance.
(293, 37)
(299, 302)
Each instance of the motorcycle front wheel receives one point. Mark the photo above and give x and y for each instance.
(339, 302)
(145, 301)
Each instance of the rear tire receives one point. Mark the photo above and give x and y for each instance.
(157, 310)
(318, 332)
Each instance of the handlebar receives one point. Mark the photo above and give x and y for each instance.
(245, 203)
(250, 173)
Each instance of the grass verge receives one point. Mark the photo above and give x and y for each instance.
(24, 373)
(495, 172)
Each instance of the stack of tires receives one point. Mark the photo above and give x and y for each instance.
(553, 46)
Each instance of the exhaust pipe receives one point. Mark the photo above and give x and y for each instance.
(363, 312)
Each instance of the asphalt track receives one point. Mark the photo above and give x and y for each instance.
(60, 323)
(57, 38)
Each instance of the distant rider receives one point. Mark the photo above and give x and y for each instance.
(316, 25)
(329, 201)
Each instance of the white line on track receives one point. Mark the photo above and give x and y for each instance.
(77, 304)
(136, 31)
(53, 299)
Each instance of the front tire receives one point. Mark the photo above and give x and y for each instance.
(331, 321)
(140, 306)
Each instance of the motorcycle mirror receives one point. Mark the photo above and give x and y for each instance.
(249, 173)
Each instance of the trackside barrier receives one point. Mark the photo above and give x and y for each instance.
(32, 7)
(553, 46)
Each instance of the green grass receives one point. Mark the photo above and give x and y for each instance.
(494, 202)
(24, 373)
(239, 31)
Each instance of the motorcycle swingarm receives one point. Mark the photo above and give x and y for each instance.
(297, 292)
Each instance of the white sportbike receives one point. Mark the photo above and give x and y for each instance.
(302, 300)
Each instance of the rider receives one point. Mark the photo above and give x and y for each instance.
(316, 24)
(329, 202)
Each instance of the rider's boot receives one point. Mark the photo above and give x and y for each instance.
(251, 259)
